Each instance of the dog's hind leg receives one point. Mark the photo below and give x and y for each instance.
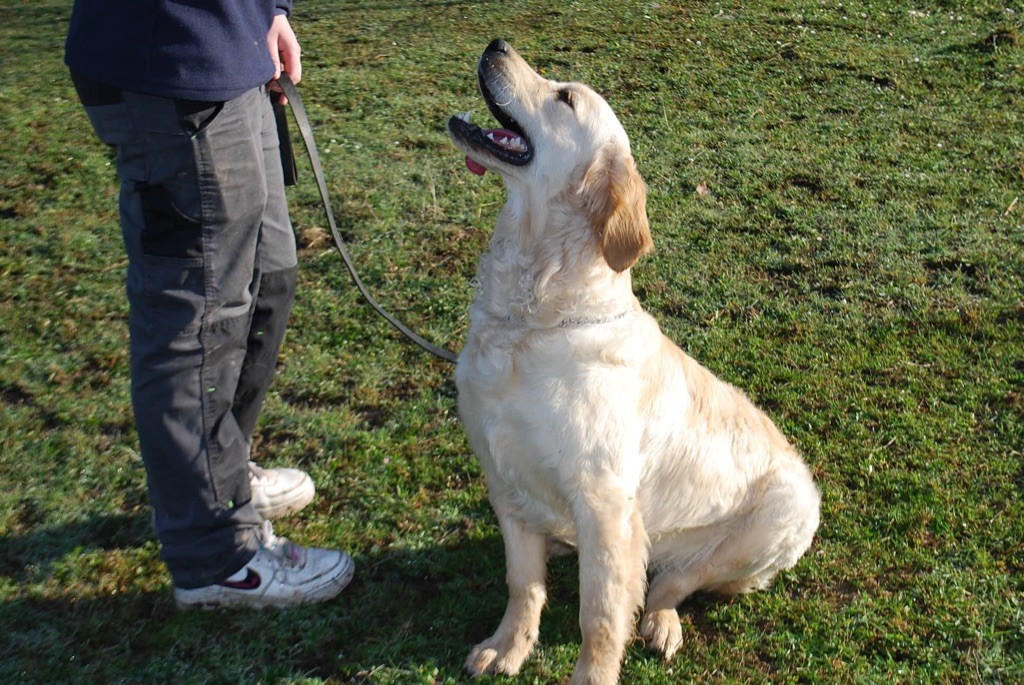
(753, 548)
(526, 570)
(613, 549)
(770, 538)
(660, 627)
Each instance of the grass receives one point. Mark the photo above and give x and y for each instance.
(856, 265)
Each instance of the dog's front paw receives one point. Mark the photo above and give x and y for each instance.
(662, 632)
(497, 655)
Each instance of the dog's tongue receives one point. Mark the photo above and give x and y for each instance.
(475, 167)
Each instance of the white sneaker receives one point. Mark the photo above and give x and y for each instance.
(282, 574)
(279, 492)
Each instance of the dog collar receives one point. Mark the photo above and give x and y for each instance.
(592, 321)
(520, 322)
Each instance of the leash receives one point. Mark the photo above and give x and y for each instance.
(299, 111)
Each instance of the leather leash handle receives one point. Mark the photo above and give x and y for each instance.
(291, 172)
(299, 111)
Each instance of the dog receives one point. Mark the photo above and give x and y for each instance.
(593, 429)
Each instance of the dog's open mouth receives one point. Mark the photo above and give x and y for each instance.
(507, 144)
(503, 144)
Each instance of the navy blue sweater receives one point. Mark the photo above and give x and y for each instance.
(209, 50)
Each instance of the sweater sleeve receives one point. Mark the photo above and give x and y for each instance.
(284, 7)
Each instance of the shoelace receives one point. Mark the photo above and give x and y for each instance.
(282, 548)
(256, 471)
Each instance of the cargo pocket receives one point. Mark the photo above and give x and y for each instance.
(167, 230)
(172, 252)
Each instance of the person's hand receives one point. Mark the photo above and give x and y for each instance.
(285, 51)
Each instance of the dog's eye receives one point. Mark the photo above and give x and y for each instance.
(568, 97)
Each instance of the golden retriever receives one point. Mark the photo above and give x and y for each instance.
(593, 429)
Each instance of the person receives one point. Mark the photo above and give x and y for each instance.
(182, 90)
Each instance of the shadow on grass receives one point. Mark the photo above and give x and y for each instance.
(32, 552)
(406, 610)
(409, 614)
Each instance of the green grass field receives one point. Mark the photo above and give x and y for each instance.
(855, 265)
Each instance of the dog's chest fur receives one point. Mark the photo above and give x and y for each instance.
(528, 422)
(531, 392)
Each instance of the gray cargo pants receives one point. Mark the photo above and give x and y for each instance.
(211, 280)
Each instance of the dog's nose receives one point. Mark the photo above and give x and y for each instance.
(499, 45)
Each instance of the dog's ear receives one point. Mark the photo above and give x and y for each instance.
(615, 199)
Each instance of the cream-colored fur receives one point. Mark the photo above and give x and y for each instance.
(593, 429)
